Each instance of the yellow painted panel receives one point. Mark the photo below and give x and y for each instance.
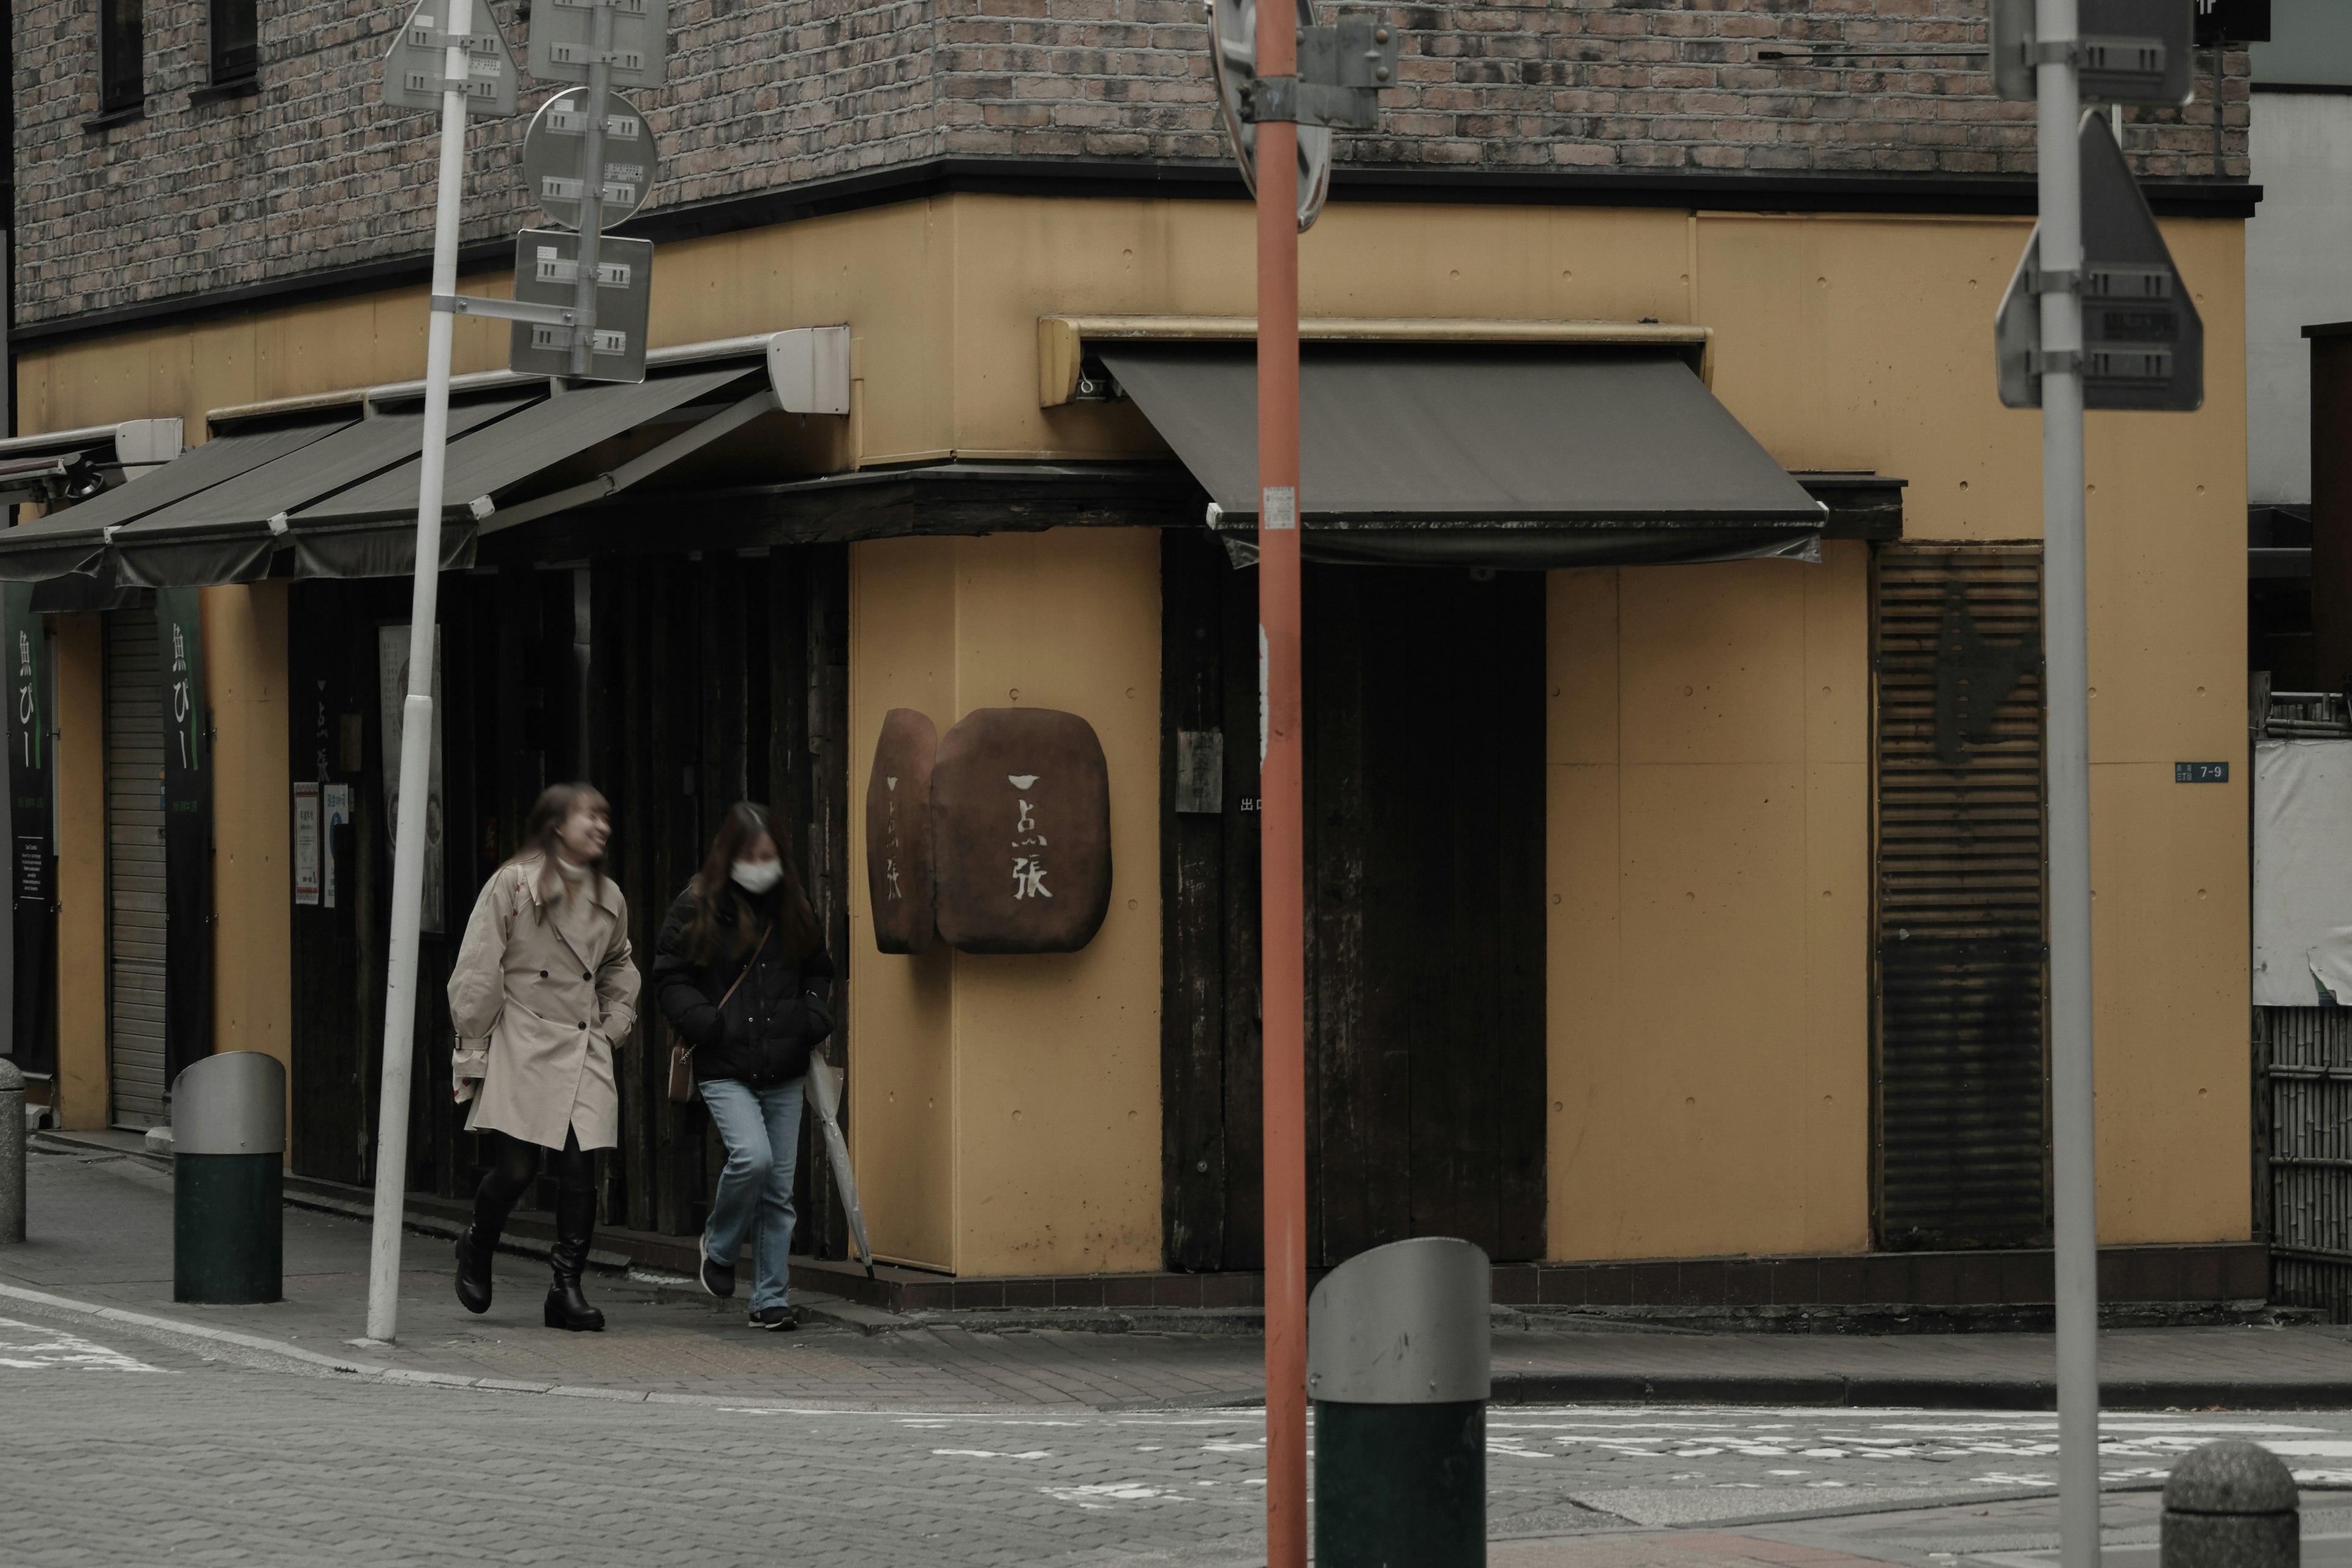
(1690, 1115)
(2171, 992)
(1586, 1185)
(1837, 654)
(902, 632)
(1580, 637)
(83, 1099)
(1057, 1056)
(2166, 520)
(1834, 1161)
(1714, 662)
(1867, 343)
(253, 894)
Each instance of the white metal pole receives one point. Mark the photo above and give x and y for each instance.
(417, 714)
(2066, 690)
(592, 188)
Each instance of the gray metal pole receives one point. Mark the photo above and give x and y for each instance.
(592, 188)
(417, 719)
(2066, 690)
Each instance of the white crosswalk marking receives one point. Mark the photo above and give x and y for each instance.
(31, 1348)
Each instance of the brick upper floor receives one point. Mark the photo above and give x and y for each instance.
(312, 173)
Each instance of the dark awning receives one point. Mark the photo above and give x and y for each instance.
(1518, 455)
(76, 540)
(228, 532)
(369, 529)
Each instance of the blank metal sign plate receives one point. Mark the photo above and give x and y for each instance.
(547, 262)
(2131, 51)
(551, 152)
(414, 65)
(2143, 340)
(562, 36)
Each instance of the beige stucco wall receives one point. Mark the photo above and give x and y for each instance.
(1009, 1106)
(1708, 883)
(1842, 341)
(253, 933)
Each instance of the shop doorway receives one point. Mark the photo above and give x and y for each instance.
(137, 1089)
(1426, 915)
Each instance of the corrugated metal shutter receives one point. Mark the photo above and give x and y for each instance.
(1961, 1147)
(134, 868)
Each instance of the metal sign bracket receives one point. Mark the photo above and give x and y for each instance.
(507, 309)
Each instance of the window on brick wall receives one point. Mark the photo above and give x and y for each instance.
(237, 41)
(121, 55)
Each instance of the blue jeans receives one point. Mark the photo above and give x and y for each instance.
(762, 1131)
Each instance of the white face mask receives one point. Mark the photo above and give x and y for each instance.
(758, 876)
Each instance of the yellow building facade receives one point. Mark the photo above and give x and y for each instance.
(1709, 757)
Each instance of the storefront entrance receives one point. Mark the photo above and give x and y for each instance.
(1426, 912)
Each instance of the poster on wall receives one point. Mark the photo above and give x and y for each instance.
(392, 691)
(187, 832)
(306, 842)
(336, 807)
(31, 1041)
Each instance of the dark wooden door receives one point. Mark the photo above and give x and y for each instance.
(1425, 917)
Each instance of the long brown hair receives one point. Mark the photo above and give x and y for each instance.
(549, 813)
(796, 929)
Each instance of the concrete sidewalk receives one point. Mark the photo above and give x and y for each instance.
(100, 1236)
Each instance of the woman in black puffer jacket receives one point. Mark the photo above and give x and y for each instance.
(741, 972)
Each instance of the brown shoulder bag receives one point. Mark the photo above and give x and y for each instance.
(681, 1055)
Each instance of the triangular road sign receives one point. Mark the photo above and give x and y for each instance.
(413, 69)
(2143, 341)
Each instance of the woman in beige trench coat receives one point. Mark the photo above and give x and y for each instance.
(543, 990)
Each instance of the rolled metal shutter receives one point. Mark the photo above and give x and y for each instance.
(134, 869)
(1960, 1135)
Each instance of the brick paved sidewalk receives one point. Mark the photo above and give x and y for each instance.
(100, 1233)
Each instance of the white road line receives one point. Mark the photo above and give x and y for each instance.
(26, 1347)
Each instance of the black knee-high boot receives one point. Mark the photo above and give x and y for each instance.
(513, 1164)
(575, 1222)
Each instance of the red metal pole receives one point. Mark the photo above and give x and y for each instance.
(1281, 828)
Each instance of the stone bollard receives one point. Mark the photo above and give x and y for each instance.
(2230, 1505)
(1398, 1360)
(12, 1152)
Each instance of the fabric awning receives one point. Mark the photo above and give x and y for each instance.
(369, 529)
(1517, 456)
(76, 540)
(228, 532)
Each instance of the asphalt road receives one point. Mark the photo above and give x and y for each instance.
(121, 1445)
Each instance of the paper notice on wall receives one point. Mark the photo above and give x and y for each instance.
(2303, 874)
(305, 843)
(335, 807)
(392, 674)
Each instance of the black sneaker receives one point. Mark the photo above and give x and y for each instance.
(775, 1320)
(716, 1278)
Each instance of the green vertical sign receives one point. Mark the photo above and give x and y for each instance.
(187, 831)
(32, 869)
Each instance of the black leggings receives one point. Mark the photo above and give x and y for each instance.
(514, 1165)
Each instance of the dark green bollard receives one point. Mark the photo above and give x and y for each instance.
(228, 1142)
(1398, 1366)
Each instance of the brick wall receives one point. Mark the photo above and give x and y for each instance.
(313, 173)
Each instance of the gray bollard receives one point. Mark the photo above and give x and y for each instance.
(12, 1152)
(2230, 1505)
(1399, 1362)
(228, 1146)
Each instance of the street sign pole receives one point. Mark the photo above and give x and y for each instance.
(417, 711)
(2066, 691)
(1282, 825)
(591, 185)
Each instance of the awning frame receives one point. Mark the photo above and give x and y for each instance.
(1062, 340)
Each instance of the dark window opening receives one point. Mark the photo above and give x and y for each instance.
(237, 41)
(121, 56)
